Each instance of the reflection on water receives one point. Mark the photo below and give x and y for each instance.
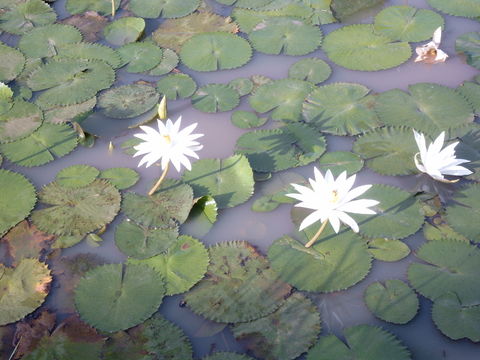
(339, 309)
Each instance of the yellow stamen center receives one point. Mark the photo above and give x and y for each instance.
(432, 52)
(334, 198)
(167, 138)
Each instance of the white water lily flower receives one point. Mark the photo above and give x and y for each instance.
(430, 53)
(437, 162)
(332, 200)
(169, 143)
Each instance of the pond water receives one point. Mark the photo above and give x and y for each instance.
(338, 309)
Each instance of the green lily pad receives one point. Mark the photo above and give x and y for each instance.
(284, 97)
(429, 108)
(176, 86)
(76, 211)
(273, 193)
(103, 7)
(21, 120)
(358, 47)
(107, 296)
(455, 320)
(43, 41)
(284, 334)
(340, 161)
(314, 70)
(17, 200)
(463, 211)
(12, 63)
(166, 8)
(62, 114)
(388, 150)
(343, 9)
(466, 8)
(471, 92)
(398, 214)
(6, 98)
(388, 249)
(140, 56)
(239, 285)
(122, 178)
(127, 101)
(70, 81)
(202, 217)
(341, 109)
(76, 176)
(244, 86)
(469, 148)
(289, 36)
(141, 242)
(394, 301)
(363, 342)
(45, 144)
(182, 266)
(449, 266)
(90, 51)
(440, 230)
(24, 289)
(214, 98)
(215, 51)
(469, 45)
(169, 61)
(229, 181)
(278, 149)
(124, 30)
(221, 355)
(406, 23)
(246, 119)
(25, 16)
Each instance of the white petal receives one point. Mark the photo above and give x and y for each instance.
(346, 219)
(310, 219)
(335, 222)
(437, 36)
(359, 206)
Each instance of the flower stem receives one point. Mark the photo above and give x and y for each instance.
(317, 235)
(159, 182)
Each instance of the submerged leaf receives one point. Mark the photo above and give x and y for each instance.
(469, 45)
(90, 24)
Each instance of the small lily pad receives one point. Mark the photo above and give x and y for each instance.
(76, 176)
(124, 30)
(463, 210)
(246, 119)
(466, 8)
(176, 86)
(469, 45)
(140, 56)
(214, 98)
(202, 217)
(340, 161)
(122, 178)
(388, 249)
(21, 120)
(244, 86)
(169, 61)
(12, 63)
(25, 16)
(314, 70)
(166, 8)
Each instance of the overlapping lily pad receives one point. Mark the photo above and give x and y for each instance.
(340, 161)
(121, 177)
(89, 23)
(314, 70)
(244, 86)
(124, 30)
(388, 249)
(21, 120)
(239, 285)
(90, 51)
(103, 7)
(61, 114)
(140, 56)
(469, 148)
(169, 61)
(462, 211)
(12, 62)
(76, 176)
(214, 98)
(26, 15)
(246, 119)
(176, 86)
(165, 8)
(469, 45)
(107, 296)
(466, 8)
(358, 47)
(273, 193)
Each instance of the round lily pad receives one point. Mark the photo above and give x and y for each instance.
(103, 7)
(127, 101)
(450, 266)
(388, 249)
(107, 296)
(246, 119)
(469, 45)
(466, 8)
(214, 98)
(176, 86)
(76, 176)
(340, 161)
(239, 285)
(244, 86)
(229, 181)
(25, 16)
(17, 200)
(471, 91)
(284, 334)
(42, 41)
(21, 120)
(358, 47)
(12, 63)
(169, 61)
(140, 56)
(182, 266)
(89, 51)
(394, 301)
(166, 8)
(122, 178)
(290, 36)
(24, 289)
(341, 109)
(406, 23)
(314, 70)
(124, 30)
(463, 210)
(215, 51)
(398, 214)
(76, 211)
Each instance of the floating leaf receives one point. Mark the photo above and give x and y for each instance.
(173, 33)
(166, 9)
(182, 266)
(239, 285)
(289, 36)
(284, 334)
(76, 211)
(456, 320)
(142, 242)
(43, 41)
(176, 86)
(202, 217)
(103, 7)
(12, 63)
(388, 150)
(364, 342)
(284, 97)
(31, 331)
(469, 45)
(25, 16)
(388, 249)
(229, 181)
(466, 8)
(345, 8)
(21, 120)
(107, 296)
(214, 98)
(227, 356)
(69, 113)
(76, 176)
(140, 56)
(244, 86)
(340, 161)
(215, 51)
(169, 61)
(121, 177)
(127, 101)
(124, 30)
(6, 98)
(450, 266)
(394, 301)
(469, 148)
(45, 144)
(341, 109)
(273, 193)
(463, 211)
(314, 70)
(322, 12)
(90, 51)
(358, 47)
(471, 92)
(23, 289)
(246, 119)
(90, 24)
